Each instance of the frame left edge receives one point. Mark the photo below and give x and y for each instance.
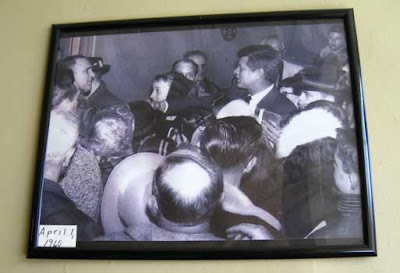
(41, 148)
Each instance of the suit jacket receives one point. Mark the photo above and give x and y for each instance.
(89, 108)
(277, 103)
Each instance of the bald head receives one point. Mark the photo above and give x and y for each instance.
(275, 42)
(187, 187)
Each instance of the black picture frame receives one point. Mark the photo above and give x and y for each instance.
(293, 248)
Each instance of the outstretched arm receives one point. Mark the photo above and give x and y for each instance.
(235, 201)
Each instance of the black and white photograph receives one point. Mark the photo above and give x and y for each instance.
(235, 137)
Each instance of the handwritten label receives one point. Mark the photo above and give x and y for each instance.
(57, 236)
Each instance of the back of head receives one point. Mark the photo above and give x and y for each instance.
(187, 187)
(231, 142)
(264, 57)
(112, 131)
(63, 134)
(312, 162)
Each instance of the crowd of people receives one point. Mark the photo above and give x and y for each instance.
(272, 156)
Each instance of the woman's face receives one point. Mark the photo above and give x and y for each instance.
(309, 96)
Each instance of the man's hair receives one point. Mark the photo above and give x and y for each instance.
(189, 54)
(64, 72)
(184, 61)
(63, 133)
(172, 200)
(231, 142)
(264, 57)
(168, 77)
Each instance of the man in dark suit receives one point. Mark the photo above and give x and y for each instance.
(258, 68)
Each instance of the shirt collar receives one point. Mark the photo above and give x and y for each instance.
(255, 99)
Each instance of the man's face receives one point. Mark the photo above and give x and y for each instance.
(336, 41)
(186, 69)
(200, 61)
(307, 97)
(244, 75)
(83, 75)
(160, 91)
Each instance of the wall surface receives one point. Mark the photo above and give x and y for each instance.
(25, 33)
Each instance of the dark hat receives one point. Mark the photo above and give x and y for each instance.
(316, 78)
(98, 65)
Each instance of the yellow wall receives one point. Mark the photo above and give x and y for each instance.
(24, 45)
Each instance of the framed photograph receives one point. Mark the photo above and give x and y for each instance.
(204, 137)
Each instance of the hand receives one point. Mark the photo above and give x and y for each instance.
(248, 232)
(160, 106)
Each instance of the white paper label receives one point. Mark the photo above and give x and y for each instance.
(57, 236)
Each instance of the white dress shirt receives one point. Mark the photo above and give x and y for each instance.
(255, 99)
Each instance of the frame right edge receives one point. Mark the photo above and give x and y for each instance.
(362, 136)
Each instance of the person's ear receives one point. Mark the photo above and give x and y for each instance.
(250, 165)
(152, 206)
(260, 73)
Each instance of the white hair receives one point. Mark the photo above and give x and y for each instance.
(63, 133)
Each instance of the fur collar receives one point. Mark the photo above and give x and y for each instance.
(304, 127)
